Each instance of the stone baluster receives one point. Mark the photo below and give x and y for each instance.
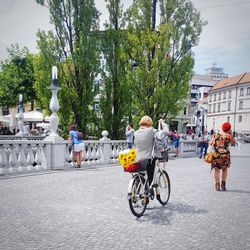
(3, 160)
(38, 157)
(43, 157)
(13, 159)
(88, 155)
(94, 153)
(98, 153)
(21, 159)
(30, 158)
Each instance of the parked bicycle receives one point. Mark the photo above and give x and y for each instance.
(139, 191)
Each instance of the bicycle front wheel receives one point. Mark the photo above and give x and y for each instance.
(163, 188)
(137, 197)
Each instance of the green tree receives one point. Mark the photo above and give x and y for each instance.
(74, 50)
(17, 77)
(115, 98)
(160, 83)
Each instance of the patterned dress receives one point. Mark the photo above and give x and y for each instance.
(221, 156)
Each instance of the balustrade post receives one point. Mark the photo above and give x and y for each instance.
(105, 148)
(20, 117)
(58, 146)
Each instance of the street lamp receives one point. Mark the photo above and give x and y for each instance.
(197, 129)
(54, 107)
(20, 117)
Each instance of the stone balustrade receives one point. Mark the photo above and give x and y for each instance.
(27, 155)
(188, 146)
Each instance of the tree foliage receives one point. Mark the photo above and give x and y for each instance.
(17, 77)
(73, 48)
(160, 83)
(116, 99)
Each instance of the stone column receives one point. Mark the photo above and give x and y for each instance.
(20, 117)
(105, 147)
(58, 144)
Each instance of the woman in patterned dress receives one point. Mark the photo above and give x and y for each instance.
(221, 156)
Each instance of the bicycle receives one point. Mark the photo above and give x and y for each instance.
(139, 191)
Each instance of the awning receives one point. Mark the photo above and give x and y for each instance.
(32, 116)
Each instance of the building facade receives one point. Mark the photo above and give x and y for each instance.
(229, 101)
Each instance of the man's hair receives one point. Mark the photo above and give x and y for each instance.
(146, 121)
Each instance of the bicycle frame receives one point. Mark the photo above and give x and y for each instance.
(159, 166)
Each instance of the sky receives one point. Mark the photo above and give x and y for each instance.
(225, 40)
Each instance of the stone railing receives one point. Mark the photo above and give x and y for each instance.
(13, 137)
(22, 156)
(188, 146)
(97, 152)
(17, 156)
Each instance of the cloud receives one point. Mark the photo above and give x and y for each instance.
(226, 38)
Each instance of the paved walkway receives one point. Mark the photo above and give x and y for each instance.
(88, 209)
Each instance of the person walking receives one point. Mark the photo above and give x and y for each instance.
(204, 141)
(175, 137)
(221, 156)
(76, 138)
(130, 135)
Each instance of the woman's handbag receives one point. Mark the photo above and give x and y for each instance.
(209, 157)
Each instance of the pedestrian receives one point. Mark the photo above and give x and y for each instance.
(221, 156)
(204, 141)
(175, 137)
(144, 142)
(130, 135)
(76, 138)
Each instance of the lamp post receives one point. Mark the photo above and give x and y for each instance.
(20, 117)
(54, 107)
(197, 129)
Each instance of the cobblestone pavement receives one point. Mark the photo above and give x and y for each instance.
(88, 209)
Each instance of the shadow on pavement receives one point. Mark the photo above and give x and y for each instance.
(164, 215)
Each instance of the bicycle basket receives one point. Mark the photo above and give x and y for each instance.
(136, 167)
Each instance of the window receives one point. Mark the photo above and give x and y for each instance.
(228, 119)
(248, 91)
(241, 92)
(219, 98)
(241, 105)
(210, 98)
(224, 95)
(185, 111)
(228, 106)
(214, 107)
(214, 97)
(240, 118)
(209, 108)
(218, 108)
(229, 93)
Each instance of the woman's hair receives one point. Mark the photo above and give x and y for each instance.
(131, 125)
(146, 121)
(73, 127)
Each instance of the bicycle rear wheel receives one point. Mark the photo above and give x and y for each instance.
(137, 198)
(163, 188)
